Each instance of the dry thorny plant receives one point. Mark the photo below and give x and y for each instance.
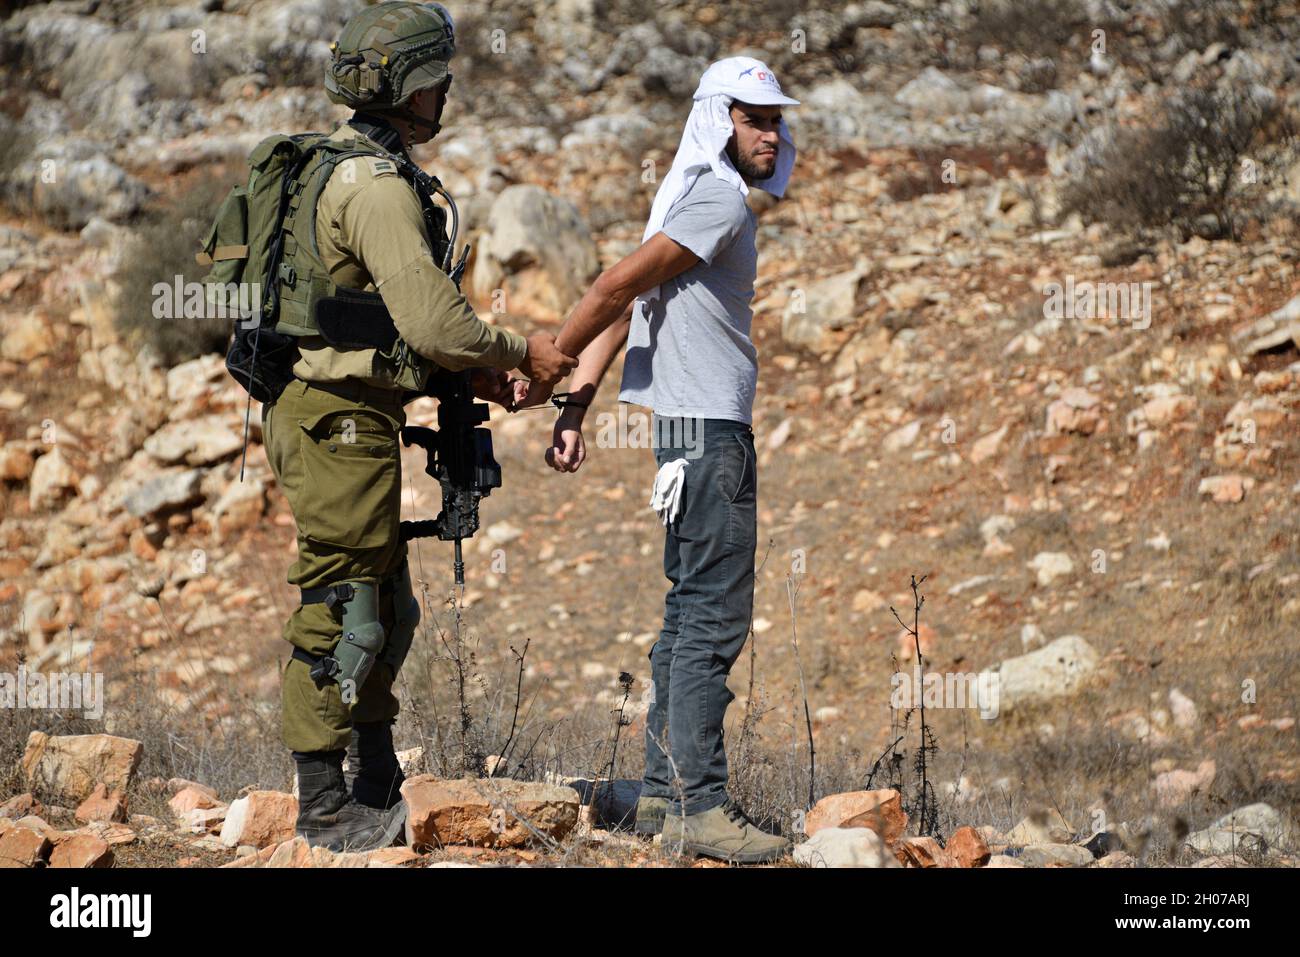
(919, 800)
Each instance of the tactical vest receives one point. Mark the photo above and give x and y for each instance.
(265, 231)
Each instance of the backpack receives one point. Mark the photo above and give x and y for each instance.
(266, 273)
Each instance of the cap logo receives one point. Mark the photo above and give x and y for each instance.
(763, 76)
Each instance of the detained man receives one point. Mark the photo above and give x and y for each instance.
(682, 302)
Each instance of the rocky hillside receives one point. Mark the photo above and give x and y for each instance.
(1027, 318)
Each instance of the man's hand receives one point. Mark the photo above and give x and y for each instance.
(544, 363)
(568, 450)
(494, 385)
(520, 388)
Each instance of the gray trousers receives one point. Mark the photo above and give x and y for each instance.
(709, 559)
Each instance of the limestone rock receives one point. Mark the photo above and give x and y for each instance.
(1049, 566)
(1226, 488)
(1055, 855)
(103, 805)
(922, 852)
(986, 446)
(21, 805)
(260, 819)
(485, 812)
(73, 765)
(826, 306)
(880, 811)
(1255, 827)
(16, 462)
(22, 847)
(171, 490)
(82, 850)
(240, 506)
(1076, 411)
(52, 478)
(192, 797)
(1057, 669)
(968, 848)
(844, 847)
(201, 441)
(537, 250)
(27, 337)
(1044, 827)
(296, 852)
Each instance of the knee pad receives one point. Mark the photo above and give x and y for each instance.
(361, 642)
(406, 616)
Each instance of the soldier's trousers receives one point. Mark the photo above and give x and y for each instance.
(334, 449)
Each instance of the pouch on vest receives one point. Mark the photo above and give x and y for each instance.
(257, 358)
(240, 248)
(225, 251)
(267, 272)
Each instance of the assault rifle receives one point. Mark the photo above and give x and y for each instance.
(460, 458)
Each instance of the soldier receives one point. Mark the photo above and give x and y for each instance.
(332, 435)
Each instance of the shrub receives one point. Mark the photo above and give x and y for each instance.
(1193, 170)
(163, 248)
(1200, 23)
(1034, 28)
(16, 146)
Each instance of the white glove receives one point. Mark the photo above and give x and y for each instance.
(666, 495)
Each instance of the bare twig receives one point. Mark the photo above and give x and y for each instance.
(747, 722)
(928, 814)
(792, 590)
(514, 718)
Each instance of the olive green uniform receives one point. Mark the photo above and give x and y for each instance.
(332, 436)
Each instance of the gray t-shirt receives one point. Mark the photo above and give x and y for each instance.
(692, 356)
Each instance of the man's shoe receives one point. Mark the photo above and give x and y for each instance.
(723, 832)
(650, 812)
(329, 818)
(373, 776)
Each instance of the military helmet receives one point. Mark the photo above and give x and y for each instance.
(388, 52)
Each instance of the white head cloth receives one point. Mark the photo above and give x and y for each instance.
(709, 127)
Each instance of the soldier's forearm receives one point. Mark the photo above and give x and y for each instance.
(473, 345)
(437, 322)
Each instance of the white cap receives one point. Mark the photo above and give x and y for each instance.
(745, 79)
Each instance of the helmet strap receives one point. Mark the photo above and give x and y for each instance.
(415, 119)
(379, 128)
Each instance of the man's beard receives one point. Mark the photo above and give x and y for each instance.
(747, 168)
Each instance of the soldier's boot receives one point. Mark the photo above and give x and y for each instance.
(723, 832)
(373, 776)
(650, 812)
(329, 818)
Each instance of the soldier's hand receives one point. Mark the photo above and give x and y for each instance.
(493, 385)
(543, 362)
